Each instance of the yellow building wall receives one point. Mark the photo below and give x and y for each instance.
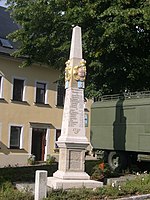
(28, 114)
(25, 113)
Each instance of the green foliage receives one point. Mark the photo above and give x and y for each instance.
(27, 173)
(2, 180)
(16, 174)
(140, 185)
(99, 173)
(31, 160)
(50, 159)
(8, 192)
(74, 194)
(89, 165)
(115, 39)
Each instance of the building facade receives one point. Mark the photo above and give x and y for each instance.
(29, 115)
(31, 105)
(30, 112)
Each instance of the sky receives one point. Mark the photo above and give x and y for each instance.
(2, 3)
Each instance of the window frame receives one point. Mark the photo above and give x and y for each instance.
(86, 119)
(62, 94)
(21, 136)
(46, 92)
(56, 138)
(0, 131)
(1, 86)
(23, 89)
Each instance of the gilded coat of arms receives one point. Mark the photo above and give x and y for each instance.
(79, 72)
(68, 71)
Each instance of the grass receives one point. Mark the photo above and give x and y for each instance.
(8, 192)
(141, 185)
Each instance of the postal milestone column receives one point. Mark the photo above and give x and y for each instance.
(73, 142)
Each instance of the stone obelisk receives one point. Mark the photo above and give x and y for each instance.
(73, 142)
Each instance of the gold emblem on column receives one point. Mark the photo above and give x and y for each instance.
(79, 72)
(68, 70)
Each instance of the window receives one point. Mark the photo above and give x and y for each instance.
(5, 43)
(86, 120)
(60, 95)
(0, 86)
(40, 92)
(0, 132)
(15, 137)
(58, 132)
(18, 88)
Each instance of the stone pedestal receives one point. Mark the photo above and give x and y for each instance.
(71, 163)
(56, 183)
(72, 144)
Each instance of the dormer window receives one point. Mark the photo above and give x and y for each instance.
(5, 43)
(0, 85)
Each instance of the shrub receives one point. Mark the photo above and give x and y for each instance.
(31, 159)
(101, 171)
(26, 173)
(74, 194)
(50, 159)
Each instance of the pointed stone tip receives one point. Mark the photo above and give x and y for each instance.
(76, 43)
(77, 27)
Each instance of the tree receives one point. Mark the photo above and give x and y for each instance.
(116, 39)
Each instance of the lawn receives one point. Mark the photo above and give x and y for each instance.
(141, 184)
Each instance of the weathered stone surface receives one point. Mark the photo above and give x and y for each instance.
(73, 127)
(67, 184)
(73, 142)
(76, 44)
(40, 184)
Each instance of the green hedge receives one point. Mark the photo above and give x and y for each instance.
(27, 173)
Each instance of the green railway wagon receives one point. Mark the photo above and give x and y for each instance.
(120, 128)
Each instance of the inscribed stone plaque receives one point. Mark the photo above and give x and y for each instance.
(73, 116)
(74, 160)
(76, 109)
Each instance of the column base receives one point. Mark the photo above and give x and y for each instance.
(71, 175)
(57, 183)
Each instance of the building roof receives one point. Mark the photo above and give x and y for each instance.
(7, 25)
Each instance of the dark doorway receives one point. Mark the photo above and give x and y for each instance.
(38, 143)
